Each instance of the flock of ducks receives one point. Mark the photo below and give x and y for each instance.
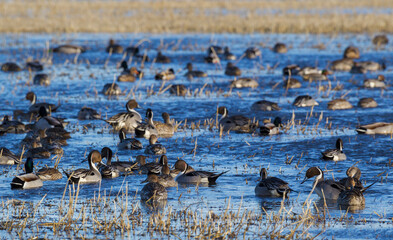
(47, 134)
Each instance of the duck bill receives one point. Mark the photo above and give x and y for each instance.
(305, 179)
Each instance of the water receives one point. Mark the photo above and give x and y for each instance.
(242, 155)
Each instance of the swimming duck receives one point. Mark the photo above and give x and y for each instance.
(12, 126)
(129, 75)
(68, 49)
(91, 175)
(237, 123)
(351, 196)
(147, 129)
(35, 107)
(28, 180)
(358, 69)
(154, 148)
(271, 186)
(371, 66)
(165, 179)
(175, 172)
(153, 190)
(178, 90)
(381, 39)
(41, 79)
(8, 158)
(305, 101)
(291, 70)
(292, 83)
(355, 173)
(212, 58)
(280, 48)
(46, 121)
(161, 58)
(232, 70)
(113, 47)
(151, 167)
(228, 55)
(134, 52)
(166, 75)
(128, 120)
(313, 71)
(367, 103)
(165, 128)
(375, 83)
(376, 128)
(10, 67)
(271, 128)
(351, 52)
(316, 76)
(335, 154)
(111, 89)
(49, 174)
(195, 176)
(328, 189)
(193, 73)
(108, 170)
(34, 66)
(87, 113)
(244, 83)
(339, 104)
(121, 166)
(38, 151)
(215, 49)
(264, 105)
(128, 143)
(252, 53)
(344, 64)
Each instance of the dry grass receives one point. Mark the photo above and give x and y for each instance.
(203, 16)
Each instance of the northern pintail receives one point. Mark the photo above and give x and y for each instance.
(87, 113)
(8, 158)
(280, 48)
(358, 69)
(336, 154)
(193, 73)
(153, 191)
(35, 107)
(371, 65)
(12, 126)
(49, 174)
(305, 101)
(351, 52)
(128, 120)
(228, 55)
(151, 167)
(232, 70)
(212, 58)
(166, 75)
(27, 180)
(68, 49)
(375, 83)
(91, 175)
(165, 128)
(271, 128)
(164, 179)
(195, 176)
(122, 166)
(328, 189)
(237, 123)
(129, 75)
(128, 143)
(252, 52)
(244, 83)
(367, 103)
(351, 196)
(344, 64)
(381, 39)
(46, 121)
(161, 58)
(37, 151)
(108, 170)
(376, 128)
(316, 76)
(34, 66)
(41, 79)
(178, 90)
(264, 105)
(10, 67)
(215, 49)
(111, 89)
(339, 104)
(292, 83)
(355, 173)
(113, 47)
(148, 128)
(271, 186)
(154, 148)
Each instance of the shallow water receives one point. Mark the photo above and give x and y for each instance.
(75, 81)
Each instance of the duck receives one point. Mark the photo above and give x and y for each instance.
(111, 89)
(344, 64)
(339, 104)
(35, 107)
(87, 113)
(153, 190)
(351, 196)
(280, 48)
(113, 47)
(151, 167)
(232, 70)
(154, 148)
(351, 52)
(28, 180)
(34, 66)
(129, 75)
(195, 177)
(252, 53)
(145, 130)
(212, 58)
(215, 49)
(69, 49)
(305, 101)
(49, 174)
(237, 123)
(264, 105)
(371, 66)
(175, 172)
(165, 179)
(46, 121)
(244, 83)
(121, 166)
(271, 128)
(194, 73)
(292, 83)
(165, 128)
(10, 67)
(291, 70)
(380, 40)
(8, 158)
(178, 90)
(355, 173)
(358, 69)
(367, 103)
(107, 170)
(316, 76)
(375, 83)
(91, 175)
(12, 126)
(336, 154)
(128, 120)
(228, 55)
(41, 79)
(326, 189)
(376, 128)
(311, 71)
(134, 52)
(128, 143)
(161, 58)
(271, 186)
(166, 75)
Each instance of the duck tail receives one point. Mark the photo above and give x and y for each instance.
(264, 131)
(365, 188)
(17, 183)
(361, 130)
(213, 178)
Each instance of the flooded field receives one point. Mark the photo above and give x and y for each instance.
(228, 209)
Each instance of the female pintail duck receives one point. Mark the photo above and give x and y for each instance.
(87, 113)
(108, 170)
(355, 173)
(151, 167)
(111, 89)
(367, 103)
(228, 55)
(292, 83)
(178, 90)
(161, 58)
(8, 158)
(381, 39)
(175, 172)
(153, 190)
(371, 65)
(147, 129)
(195, 176)
(68, 49)
(351, 196)
(155, 148)
(344, 64)
(166, 75)
(113, 47)
(305, 101)
(271, 128)
(91, 175)
(38, 151)
(244, 83)
(164, 179)
(351, 52)
(328, 189)
(339, 104)
(128, 143)
(129, 75)
(376, 128)
(335, 154)
(165, 128)
(49, 174)
(316, 76)
(375, 83)
(10, 67)
(41, 79)
(280, 48)
(12, 126)
(35, 107)
(237, 123)
(252, 53)
(271, 186)
(232, 70)
(46, 121)
(28, 180)
(264, 105)
(129, 120)
(193, 73)
(121, 166)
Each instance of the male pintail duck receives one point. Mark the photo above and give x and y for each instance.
(128, 143)
(355, 173)
(280, 48)
(113, 47)
(327, 189)
(154, 148)
(381, 39)
(232, 70)
(10, 67)
(336, 154)
(316, 76)
(111, 89)
(87, 113)
(371, 66)
(252, 53)
(12, 126)
(264, 105)
(339, 104)
(41, 79)
(271, 128)
(344, 64)
(193, 73)
(153, 190)
(178, 90)
(367, 103)
(165, 128)
(166, 75)
(195, 176)
(8, 158)
(34, 66)
(351, 196)
(228, 55)
(121, 166)
(145, 130)
(351, 52)
(271, 186)
(244, 83)
(161, 58)
(151, 167)
(91, 175)
(292, 83)
(375, 83)
(49, 174)
(237, 123)
(68, 49)
(175, 172)
(35, 107)
(128, 120)
(107, 170)
(46, 121)
(305, 101)
(376, 128)
(27, 180)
